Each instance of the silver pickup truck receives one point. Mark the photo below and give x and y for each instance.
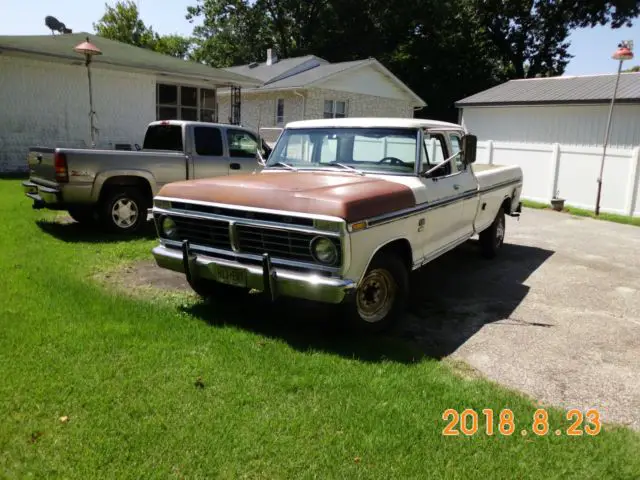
(115, 188)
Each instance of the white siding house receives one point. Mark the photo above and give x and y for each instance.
(44, 94)
(310, 87)
(554, 129)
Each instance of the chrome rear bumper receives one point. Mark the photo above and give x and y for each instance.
(272, 281)
(42, 196)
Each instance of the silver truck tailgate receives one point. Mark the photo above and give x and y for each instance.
(41, 164)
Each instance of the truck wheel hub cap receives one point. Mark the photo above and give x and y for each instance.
(375, 296)
(124, 213)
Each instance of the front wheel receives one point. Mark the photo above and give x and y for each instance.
(380, 299)
(492, 238)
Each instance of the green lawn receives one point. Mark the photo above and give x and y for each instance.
(581, 212)
(276, 400)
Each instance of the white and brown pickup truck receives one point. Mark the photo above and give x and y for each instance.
(342, 212)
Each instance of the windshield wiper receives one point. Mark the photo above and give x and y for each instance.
(286, 165)
(347, 167)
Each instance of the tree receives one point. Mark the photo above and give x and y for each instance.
(531, 36)
(443, 49)
(122, 23)
(632, 69)
(174, 45)
(433, 46)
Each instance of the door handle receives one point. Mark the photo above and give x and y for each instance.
(456, 187)
(234, 166)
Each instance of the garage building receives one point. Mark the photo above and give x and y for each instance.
(554, 129)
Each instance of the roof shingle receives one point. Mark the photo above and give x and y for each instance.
(119, 54)
(264, 72)
(559, 90)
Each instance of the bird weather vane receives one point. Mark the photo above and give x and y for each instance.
(56, 25)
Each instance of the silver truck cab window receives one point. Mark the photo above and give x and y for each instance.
(241, 144)
(208, 141)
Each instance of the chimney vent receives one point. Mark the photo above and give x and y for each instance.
(271, 57)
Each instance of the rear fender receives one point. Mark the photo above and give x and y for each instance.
(102, 177)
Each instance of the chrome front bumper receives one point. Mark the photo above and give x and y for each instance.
(266, 278)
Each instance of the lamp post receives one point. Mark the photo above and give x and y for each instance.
(88, 49)
(624, 52)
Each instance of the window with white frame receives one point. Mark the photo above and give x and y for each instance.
(335, 109)
(279, 111)
(182, 102)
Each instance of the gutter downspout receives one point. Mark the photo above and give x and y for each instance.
(304, 104)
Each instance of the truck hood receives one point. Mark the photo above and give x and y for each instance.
(344, 195)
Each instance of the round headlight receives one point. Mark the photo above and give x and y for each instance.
(324, 250)
(169, 228)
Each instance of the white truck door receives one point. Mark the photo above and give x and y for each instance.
(442, 193)
(208, 153)
(242, 146)
(466, 186)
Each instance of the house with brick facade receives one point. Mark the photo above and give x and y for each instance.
(310, 87)
(44, 94)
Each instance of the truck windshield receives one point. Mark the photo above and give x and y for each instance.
(373, 150)
(163, 137)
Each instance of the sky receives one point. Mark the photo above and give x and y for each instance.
(592, 47)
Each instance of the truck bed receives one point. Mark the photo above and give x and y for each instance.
(84, 163)
(492, 175)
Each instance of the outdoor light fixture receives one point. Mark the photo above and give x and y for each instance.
(88, 49)
(624, 52)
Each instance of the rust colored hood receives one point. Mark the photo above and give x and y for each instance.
(345, 195)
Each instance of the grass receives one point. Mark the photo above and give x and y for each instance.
(580, 212)
(98, 384)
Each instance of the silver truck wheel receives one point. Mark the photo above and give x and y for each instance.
(124, 211)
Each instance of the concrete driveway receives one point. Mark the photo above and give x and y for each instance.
(557, 316)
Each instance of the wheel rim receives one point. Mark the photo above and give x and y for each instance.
(500, 232)
(124, 212)
(376, 295)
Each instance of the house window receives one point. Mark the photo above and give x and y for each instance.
(280, 111)
(182, 102)
(335, 109)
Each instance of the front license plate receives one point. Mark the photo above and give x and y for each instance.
(231, 276)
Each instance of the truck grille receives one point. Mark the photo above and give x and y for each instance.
(279, 243)
(257, 240)
(208, 233)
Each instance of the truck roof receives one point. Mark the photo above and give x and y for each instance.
(193, 122)
(373, 122)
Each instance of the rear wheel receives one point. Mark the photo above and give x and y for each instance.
(492, 238)
(380, 300)
(124, 210)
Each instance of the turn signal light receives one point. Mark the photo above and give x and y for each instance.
(60, 164)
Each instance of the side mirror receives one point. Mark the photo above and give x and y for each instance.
(469, 147)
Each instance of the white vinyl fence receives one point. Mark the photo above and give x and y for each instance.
(572, 171)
